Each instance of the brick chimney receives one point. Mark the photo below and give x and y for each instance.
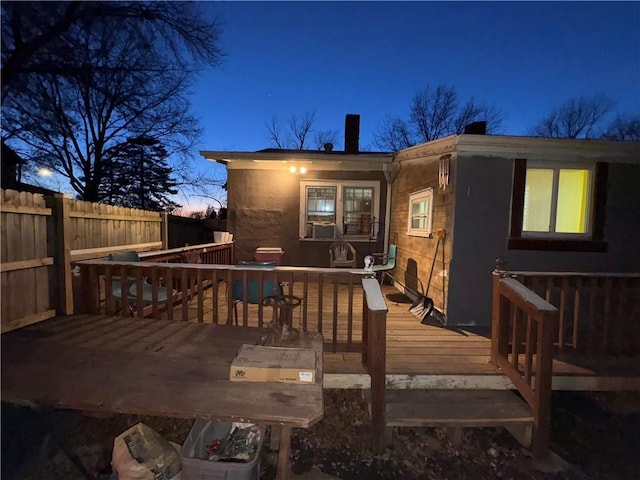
(351, 133)
(476, 128)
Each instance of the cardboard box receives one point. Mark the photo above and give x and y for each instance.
(257, 363)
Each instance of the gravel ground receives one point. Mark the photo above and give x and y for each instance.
(597, 434)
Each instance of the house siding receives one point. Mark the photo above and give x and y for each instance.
(482, 222)
(416, 254)
(264, 211)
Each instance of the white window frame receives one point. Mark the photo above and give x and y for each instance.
(339, 185)
(421, 196)
(556, 167)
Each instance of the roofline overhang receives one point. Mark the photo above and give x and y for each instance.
(320, 160)
(532, 148)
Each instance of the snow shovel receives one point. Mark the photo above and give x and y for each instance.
(423, 305)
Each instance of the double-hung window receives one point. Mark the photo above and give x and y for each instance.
(420, 213)
(557, 206)
(332, 209)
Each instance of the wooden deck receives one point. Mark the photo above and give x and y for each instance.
(428, 356)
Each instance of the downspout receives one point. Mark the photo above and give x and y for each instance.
(386, 168)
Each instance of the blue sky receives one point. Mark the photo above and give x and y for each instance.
(285, 58)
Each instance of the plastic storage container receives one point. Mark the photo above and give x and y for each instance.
(195, 465)
(269, 254)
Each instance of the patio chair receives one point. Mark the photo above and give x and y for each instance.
(252, 296)
(342, 255)
(132, 294)
(388, 263)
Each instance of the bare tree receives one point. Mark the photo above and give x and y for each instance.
(394, 134)
(576, 118)
(40, 37)
(324, 137)
(275, 134)
(300, 128)
(121, 70)
(295, 132)
(623, 128)
(435, 112)
(471, 112)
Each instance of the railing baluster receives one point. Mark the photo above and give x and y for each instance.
(334, 339)
(305, 300)
(576, 312)
(185, 285)
(108, 291)
(350, 314)
(606, 318)
(139, 293)
(564, 286)
(320, 300)
(154, 292)
(200, 289)
(529, 348)
(515, 342)
(593, 291)
(170, 297)
(125, 283)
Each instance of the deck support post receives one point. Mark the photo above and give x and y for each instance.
(543, 379)
(374, 356)
(499, 321)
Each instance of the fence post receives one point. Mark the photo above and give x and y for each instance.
(62, 253)
(164, 233)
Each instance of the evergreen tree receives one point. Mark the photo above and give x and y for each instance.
(137, 175)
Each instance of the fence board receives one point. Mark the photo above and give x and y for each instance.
(25, 265)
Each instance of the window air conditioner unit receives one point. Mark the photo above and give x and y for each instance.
(324, 230)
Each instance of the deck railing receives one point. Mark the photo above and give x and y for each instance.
(327, 294)
(598, 313)
(374, 354)
(524, 324)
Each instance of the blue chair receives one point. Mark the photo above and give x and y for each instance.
(388, 263)
(132, 294)
(252, 296)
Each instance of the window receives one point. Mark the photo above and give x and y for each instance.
(349, 205)
(558, 206)
(420, 213)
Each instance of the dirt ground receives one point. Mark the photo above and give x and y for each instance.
(596, 434)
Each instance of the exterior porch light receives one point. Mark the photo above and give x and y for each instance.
(292, 169)
(301, 171)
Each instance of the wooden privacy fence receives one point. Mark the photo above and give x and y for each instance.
(524, 324)
(43, 234)
(598, 313)
(26, 260)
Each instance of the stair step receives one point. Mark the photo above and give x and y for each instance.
(455, 408)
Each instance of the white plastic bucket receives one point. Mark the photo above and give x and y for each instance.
(218, 237)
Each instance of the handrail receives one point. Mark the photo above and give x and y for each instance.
(374, 354)
(511, 302)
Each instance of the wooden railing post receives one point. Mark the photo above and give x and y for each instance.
(62, 253)
(543, 384)
(87, 291)
(376, 345)
(499, 321)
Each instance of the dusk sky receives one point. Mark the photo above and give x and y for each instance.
(370, 58)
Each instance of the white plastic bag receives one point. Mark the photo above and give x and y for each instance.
(140, 453)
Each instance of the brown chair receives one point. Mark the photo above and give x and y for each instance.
(342, 255)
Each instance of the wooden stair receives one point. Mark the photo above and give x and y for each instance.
(455, 410)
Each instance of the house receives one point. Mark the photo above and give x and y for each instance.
(534, 204)
(302, 200)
